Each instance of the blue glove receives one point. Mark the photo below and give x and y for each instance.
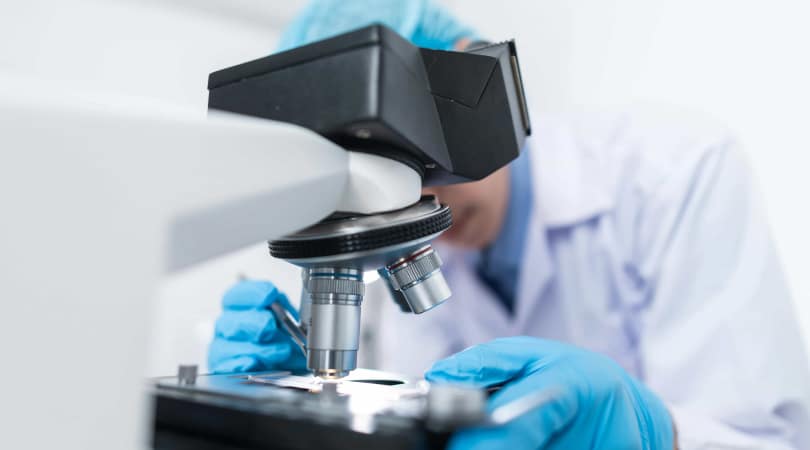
(420, 21)
(247, 337)
(594, 403)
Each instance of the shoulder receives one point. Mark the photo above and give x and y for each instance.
(599, 160)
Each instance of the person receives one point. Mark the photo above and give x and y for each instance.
(628, 252)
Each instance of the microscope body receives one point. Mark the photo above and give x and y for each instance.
(440, 117)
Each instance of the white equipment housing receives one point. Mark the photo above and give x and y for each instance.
(100, 198)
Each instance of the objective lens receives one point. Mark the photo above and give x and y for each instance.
(334, 322)
(418, 279)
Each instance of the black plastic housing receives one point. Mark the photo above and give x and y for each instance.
(453, 116)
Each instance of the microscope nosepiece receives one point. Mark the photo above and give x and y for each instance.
(334, 254)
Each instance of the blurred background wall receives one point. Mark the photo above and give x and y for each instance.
(744, 63)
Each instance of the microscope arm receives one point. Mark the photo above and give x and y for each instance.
(214, 184)
(256, 180)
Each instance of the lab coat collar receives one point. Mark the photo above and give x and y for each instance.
(568, 180)
(568, 174)
(536, 273)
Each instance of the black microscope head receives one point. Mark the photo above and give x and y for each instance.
(452, 116)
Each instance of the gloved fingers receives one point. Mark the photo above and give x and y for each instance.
(282, 299)
(236, 364)
(488, 364)
(532, 430)
(499, 438)
(251, 294)
(558, 404)
(223, 354)
(518, 435)
(297, 359)
(257, 326)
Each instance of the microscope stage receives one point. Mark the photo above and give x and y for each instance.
(367, 409)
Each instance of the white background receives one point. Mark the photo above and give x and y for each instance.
(745, 63)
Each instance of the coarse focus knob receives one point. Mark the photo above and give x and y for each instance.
(418, 278)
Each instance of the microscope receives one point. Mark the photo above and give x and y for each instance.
(407, 117)
(444, 117)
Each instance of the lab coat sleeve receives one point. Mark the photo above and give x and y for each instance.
(719, 341)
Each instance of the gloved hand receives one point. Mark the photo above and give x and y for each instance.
(420, 21)
(247, 337)
(594, 403)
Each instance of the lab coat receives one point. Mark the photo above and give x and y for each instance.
(647, 242)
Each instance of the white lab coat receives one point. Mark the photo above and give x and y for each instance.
(648, 243)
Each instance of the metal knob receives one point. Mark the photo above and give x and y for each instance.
(187, 374)
(418, 278)
(305, 310)
(451, 406)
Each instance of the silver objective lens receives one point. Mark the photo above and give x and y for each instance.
(418, 279)
(334, 321)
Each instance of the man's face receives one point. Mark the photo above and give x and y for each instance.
(478, 209)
